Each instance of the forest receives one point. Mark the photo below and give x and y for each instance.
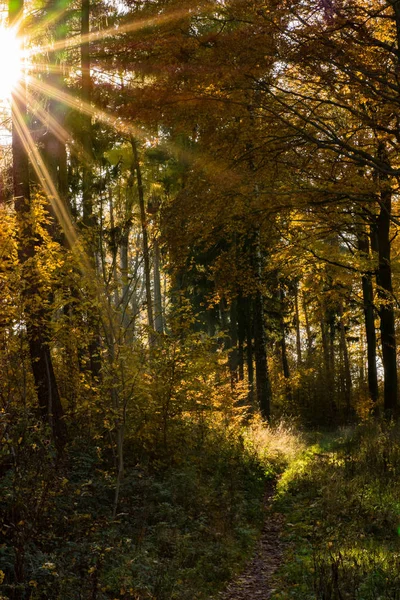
(199, 299)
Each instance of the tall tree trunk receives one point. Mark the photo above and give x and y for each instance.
(124, 259)
(332, 358)
(385, 292)
(145, 237)
(158, 311)
(233, 354)
(369, 319)
(263, 388)
(94, 347)
(250, 347)
(325, 348)
(386, 309)
(308, 328)
(327, 334)
(284, 355)
(127, 314)
(263, 385)
(36, 315)
(114, 242)
(87, 132)
(387, 312)
(241, 319)
(297, 316)
(54, 144)
(346, 363)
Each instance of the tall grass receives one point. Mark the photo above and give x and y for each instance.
(342, 507)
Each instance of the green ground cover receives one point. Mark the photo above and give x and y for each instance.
(182, 529)
(341, 501)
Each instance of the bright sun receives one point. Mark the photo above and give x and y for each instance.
(11, 57)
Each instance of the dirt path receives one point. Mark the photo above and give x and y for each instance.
(255, 582)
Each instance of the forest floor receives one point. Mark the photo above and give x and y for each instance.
(256, 581)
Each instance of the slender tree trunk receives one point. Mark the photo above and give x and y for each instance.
(233, 354)
(241, 316)
(387, 313)
(87, 133)
(369, 319)
(327, 334)
(325, 348)
(263, 385)
(284, 355)
(114, 242)
(308, 328)
(263, 389)
(128, 315)
(346, 363)
(54, 145)
(385, 293)
(88, 220)
(386, 308)
(297, 316)
(146, 251)
(124, 258)
(250, 347)
(158, 311)
(332, 357)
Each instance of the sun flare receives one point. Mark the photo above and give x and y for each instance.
(11, 59)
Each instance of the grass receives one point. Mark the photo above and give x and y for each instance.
(341, 500)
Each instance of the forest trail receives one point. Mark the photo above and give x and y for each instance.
(256, 581)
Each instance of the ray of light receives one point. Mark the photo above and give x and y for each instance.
(16, 22)
(213, 168)
(50, 18)
(87, 109)
(59, 131)
(57, 69)
(46, 118)
(96, 286)
(60, 210)
(130, 27)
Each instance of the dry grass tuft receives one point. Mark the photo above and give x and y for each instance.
(280, 444)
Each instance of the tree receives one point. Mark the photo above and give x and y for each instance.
(330, 97)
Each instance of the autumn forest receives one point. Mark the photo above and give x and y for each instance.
(199, 299)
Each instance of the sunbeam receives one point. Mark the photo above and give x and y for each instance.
(85, 108)
(93, 282)
(55, 127)
(130, 27)
(60, 210)
(209, 164)
(52, 17)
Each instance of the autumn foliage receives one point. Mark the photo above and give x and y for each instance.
(199, 219)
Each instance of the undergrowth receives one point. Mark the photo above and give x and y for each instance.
(183, 527)
(341, 500)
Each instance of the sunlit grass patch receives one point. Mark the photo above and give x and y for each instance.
(276, 445)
